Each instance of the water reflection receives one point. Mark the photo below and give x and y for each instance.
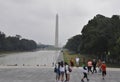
(37, 58)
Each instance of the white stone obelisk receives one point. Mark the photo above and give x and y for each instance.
(56, 32)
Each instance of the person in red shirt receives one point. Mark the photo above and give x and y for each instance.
(72, 62)
(103, 68)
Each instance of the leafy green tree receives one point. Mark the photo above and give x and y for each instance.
(2, 38)
(99, 37)
(15, 43)
(73, 43)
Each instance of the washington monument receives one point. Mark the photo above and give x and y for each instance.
(56, 32)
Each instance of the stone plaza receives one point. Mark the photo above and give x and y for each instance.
(46, 74)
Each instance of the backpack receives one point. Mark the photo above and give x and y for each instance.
(55, 70)
(69, 69)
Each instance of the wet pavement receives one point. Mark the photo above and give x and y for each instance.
(46, 74)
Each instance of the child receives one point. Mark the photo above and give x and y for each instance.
(103, 68)
(85, 74)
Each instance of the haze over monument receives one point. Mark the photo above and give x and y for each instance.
(35, 19)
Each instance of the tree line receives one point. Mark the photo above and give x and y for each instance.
(100, 37)
(16, 43)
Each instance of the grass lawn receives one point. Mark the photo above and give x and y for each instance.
(83, 59)
(68, 57)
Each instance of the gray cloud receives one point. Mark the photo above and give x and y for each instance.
(35, 19)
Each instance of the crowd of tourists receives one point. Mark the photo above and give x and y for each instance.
(63, 70)
(87, 69)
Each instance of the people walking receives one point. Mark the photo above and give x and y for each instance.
(94, 63)
(103, 67)
(99, 63)
(62, 71)
(85, 71)
(57, 71)
(77, 60)
(89, 65)
(71, 62)
(67, 72)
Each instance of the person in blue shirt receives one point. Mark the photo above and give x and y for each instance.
(57, 71)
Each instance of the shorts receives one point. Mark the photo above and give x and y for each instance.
(85, 75)
(103, 73)
(62, 73)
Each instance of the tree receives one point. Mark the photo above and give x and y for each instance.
(15, 43)
(73, 43)
(99, 37)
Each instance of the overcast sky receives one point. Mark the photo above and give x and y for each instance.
(35, 19)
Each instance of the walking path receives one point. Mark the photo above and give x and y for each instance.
(60, 57)
(112, 76)
(44, 74)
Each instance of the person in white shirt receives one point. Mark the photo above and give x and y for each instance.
(62, 71)
(77, 61)
(67, 72)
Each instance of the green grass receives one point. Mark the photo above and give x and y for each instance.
(84, 59)
(68, 56)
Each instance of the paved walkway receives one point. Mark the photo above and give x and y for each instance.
(112, 76)
(60, 57)
(45, 74)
